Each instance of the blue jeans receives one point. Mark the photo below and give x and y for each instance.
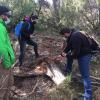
(84, 63)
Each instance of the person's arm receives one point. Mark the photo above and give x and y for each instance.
(66, 47)
(7, 56)
(31, 30)
(63, 46)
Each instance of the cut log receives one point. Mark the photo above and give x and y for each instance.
(44, 66)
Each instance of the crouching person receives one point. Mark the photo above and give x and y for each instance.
(78, 47)
(6, 55)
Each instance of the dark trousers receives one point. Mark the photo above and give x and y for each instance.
(69, 65)
(84, 63)
(22, 44)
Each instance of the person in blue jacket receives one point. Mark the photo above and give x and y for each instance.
(27, 29)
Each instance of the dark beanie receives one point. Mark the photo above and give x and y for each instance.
(3, 10)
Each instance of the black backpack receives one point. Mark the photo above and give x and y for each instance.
(94, 45)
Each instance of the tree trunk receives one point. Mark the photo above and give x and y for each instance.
(56, 6)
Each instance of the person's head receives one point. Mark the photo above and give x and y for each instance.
(5, 14)
(26, 18)
(33, 18)
(65, 32)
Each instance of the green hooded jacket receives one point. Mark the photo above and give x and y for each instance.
(6, 50)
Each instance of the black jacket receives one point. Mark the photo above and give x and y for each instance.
(26, 30)
(78, 44)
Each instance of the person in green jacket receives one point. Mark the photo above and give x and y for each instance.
(7, 56)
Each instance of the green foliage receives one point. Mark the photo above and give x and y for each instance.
(67, 13)
(71, 13)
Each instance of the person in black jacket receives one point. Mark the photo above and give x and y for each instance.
(78, 47)
(26, 30)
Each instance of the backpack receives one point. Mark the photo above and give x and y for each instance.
(18, 28)
(94, 45)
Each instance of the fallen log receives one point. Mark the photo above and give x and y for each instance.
(44, 66)
(95, 83)
(92, 77)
